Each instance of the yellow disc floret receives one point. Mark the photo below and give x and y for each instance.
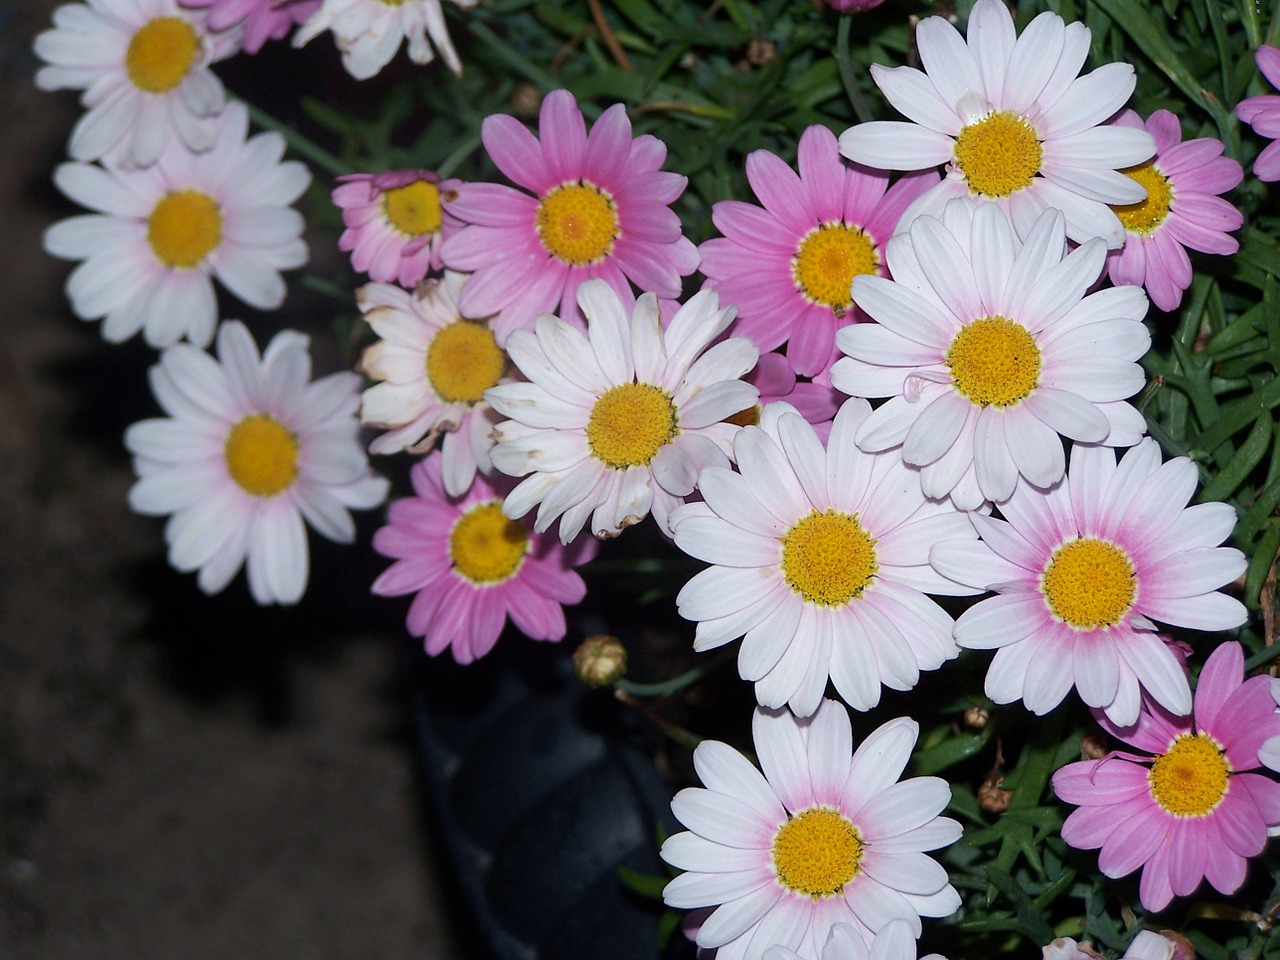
(577, 223)
(184, 227)
(487, 547)
(161, 53)
(463, 361)
(1146, 216)
(1191, 779)
(828, 259)
(413, 209)
(262, 455)
(630, 423)
(994, 361)
(1089, 583)
(828, 558)
(999, 154)
(817, 852)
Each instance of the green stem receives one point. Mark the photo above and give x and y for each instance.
(665, 687)
(1262, 658)
(521, 64)
(848, 75)
(301, 144)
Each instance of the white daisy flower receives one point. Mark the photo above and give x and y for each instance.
(824, 836)
(821, 557)
(368, 32)
(249, 450)
(988, 349)
(844, 942)
(144, 68)
(162, 233)
(434, 367)
(1013, 122)
(618, 422)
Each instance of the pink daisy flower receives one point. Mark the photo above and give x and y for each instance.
(1263, 114)
(824, 835)
(894, 942)
(1190, 810)
(1079, 569)
(263, 20)
(1182, 210)
(471, 569)
(395, 223)
(816, 400)
(596, 206)
(789, 266)
(1147, 945)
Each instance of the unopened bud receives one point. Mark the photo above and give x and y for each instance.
(525, 99)
(975, 718)
(600, 660)
(1092, 747)
(761, 52)
(992, 797)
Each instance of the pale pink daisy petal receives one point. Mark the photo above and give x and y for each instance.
(186, 221)
(1263, 114)
(1013, 122)
(770, 896)
(262, 20)
(144, 68)
(369, 32)
(239, 467)
(1080, 572)
(835, 539)
(989, 349)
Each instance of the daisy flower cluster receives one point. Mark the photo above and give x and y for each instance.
(951, 431)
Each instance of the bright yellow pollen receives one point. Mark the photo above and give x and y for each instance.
(999, 154)
(184, 227)
(413, 209)
(994, 361)
(262, 455)
(1145, 216)
(828, 558)
(1089, 583)
(630, 424)
(487, 547)
(578, 223)
(1191, 779)
(817, 852)
(161, 53)
(828, 259)
(463, 361)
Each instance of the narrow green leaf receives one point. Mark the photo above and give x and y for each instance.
(1242, 462)
(643, 884)
(1264, 554)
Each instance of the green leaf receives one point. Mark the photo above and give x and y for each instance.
(642, 884)
(952, 751)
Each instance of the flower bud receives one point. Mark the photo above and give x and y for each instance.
(975, 718)
(992, 797)
(600, 660)
(1092, 747)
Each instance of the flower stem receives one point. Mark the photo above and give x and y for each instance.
(848, 70)
(666, 687)
(301, 144)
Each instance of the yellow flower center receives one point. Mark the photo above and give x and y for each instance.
(262, 455)
(828, 558)
(413, 209)
(994, 361)
(161, 53)
(578, 223)
(487, 547)
(828, 259)
(1145, 216)
(1089, 583)
(817, 852)
(999, 154)
(463, 361)
(184, 227)
(630, 424)
(1191, 779)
